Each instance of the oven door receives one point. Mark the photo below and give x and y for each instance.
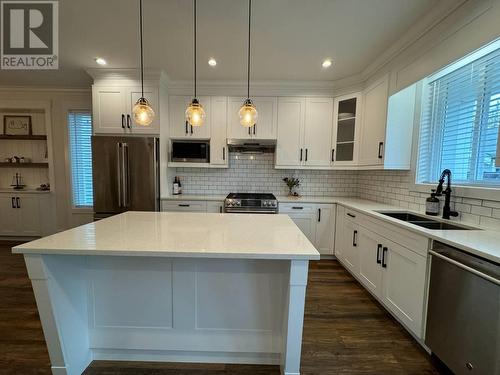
(248, 210)
(190, 152)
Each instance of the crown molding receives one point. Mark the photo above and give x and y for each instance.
(416, 32)
(76, 90)
(133, 74)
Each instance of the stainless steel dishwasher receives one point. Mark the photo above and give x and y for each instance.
(463, 316)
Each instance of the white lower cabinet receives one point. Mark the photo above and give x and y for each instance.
(393, 273)
(192, 206)
(215, 207)
(184, 206)
(404, 285)
(316, 221)
(20, 215)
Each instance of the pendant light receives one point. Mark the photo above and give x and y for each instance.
(142, 111)
(248, 112)
(195, 114)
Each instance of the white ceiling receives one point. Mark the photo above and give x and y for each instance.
(290, 38)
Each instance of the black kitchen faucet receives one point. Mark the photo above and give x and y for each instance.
(447, 212)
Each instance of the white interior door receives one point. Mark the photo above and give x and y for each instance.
(318, 131)
(291, 118)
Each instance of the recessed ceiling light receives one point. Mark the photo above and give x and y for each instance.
(100, 61)
(212, 62)
(326, 63)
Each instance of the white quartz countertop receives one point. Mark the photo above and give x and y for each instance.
(481, 242)
(167, 234)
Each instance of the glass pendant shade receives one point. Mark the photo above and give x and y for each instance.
(248, 114)
(143, 113)
(195, 114)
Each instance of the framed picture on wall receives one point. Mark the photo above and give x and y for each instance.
(16, 125)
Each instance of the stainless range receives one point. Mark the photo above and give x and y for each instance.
(251, 203)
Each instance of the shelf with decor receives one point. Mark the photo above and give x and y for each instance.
(23, 137)
(24, 165)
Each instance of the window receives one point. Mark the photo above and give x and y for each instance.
(460, 121)
(80, 153)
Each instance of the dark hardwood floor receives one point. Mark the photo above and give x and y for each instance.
(345, 332)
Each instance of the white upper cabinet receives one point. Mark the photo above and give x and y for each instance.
(267, 119)
(151, 95)
(218, 139)
(178, 125)
(291, 119)
(112, 109)
(374, 123)
(346, 130)
(304, 132)
(318, 132)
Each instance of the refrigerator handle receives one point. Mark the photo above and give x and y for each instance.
(125, 176)
(119, 172)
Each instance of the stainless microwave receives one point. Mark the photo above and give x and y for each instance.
(191, 151)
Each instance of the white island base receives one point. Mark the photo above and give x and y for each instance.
(169, 309)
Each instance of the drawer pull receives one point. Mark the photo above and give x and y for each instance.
(384, 251)
(184, 205)
(351, 215)
(297, 208)
(379, 247)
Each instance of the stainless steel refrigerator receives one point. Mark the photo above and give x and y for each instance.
(125, 174)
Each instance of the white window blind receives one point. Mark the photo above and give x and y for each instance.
(80, 149)
(459, 126)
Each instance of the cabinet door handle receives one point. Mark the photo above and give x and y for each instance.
(184, 205)
(380, 146)
(254, 128)
(306, 153)
(123, 121)
(351, 215)
(319, 215)
(333, 154)
(355, 238)
(297, 208)
(300, 154)
(186, 124)
(18, 202)
(379, 247)
(220, 209)
(384, 251)
(250, 131)
(129, 121)
(223, 153)
(13, 202)
(191, 129)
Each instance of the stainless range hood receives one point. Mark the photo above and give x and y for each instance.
(251, 146)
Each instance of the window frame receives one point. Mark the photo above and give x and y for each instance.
(69, 180)
(462, 190)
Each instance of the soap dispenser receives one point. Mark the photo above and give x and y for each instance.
(432, 204)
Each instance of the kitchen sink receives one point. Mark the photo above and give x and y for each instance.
(424, 221)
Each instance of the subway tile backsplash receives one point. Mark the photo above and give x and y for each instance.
(256, 173)
(393, 187)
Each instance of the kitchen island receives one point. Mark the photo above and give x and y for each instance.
(176, 287)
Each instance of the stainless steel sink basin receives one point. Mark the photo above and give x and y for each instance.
(424, 221)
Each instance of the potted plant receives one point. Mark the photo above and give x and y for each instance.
(292, 184)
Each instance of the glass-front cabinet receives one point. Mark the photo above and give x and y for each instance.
(345, 142)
